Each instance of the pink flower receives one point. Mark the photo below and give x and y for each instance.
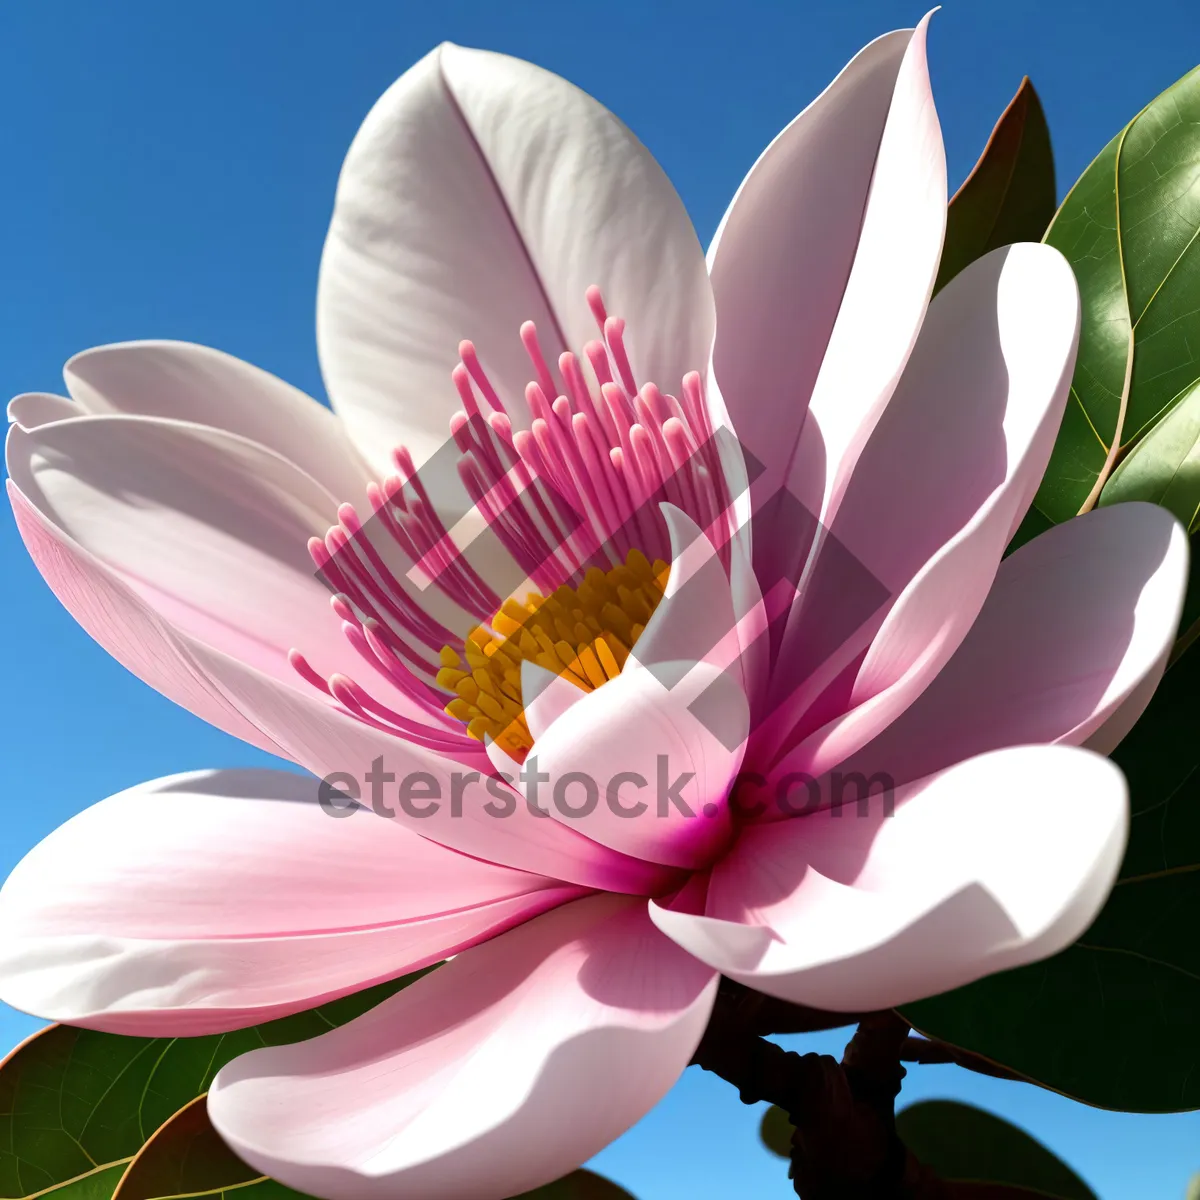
(177, 503)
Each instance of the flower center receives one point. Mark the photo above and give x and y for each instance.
(583, 634)
(574, 500)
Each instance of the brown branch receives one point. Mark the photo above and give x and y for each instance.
(927, 1051)
(845, 1145)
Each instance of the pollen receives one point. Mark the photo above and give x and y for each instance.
(582, 633)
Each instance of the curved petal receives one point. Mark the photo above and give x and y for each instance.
(459, 803)
(210, 901)
(643, 764)
(1075, 633)
(31, 409)
(937, 491)
(303, 726)
(210, 530)
(186, 382)
(999, 861)
(545, 697)
(499, 1072)
(482, 191)
(849, 200)
(696, 620)
(125, 625)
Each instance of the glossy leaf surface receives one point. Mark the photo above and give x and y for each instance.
(77, 1106)
(1164, 467)
(1129, 228)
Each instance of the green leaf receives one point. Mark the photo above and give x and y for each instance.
(966, 1144)
(1009, 195)
(76, 1106)
(579, 1185)
(1078, 1023)
(1193, 1192)
(187, 1157)
(1164, 467)
(1129, 228)
(776, 1131)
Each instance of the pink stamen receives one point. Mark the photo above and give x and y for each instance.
(614, 335)
(533, 348)
(302, 667)
(361, 704)
(577, 389)
(575, 477)
(597, 356)
(466, 393)
(466, 351)
(381, 643)
(595, 301)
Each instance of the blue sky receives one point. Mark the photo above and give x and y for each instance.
(169, 170)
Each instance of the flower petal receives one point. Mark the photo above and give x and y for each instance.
(187, 382)
(303, 726)
(457, 803)
(821, 272)
(31, 409)
(937, 492)
(499, 1072)
(210, 901)
(1075, 632)
(482, 191)
(643, 764)
(696, 620)
(210, 530)
(1000, 861)
(125, 625)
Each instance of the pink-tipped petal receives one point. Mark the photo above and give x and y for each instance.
(206, 902)
(127, 627)
(482, 191)
(300, 725)
(643, 764)
(208, 529)
(1069, 646)
(793, 218)
(499, 1072)
(1000, 861)
(454, 803)
(187, 382)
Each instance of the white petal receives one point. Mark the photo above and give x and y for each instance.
(1070, 644)
(1000, 861)
(952, 464)
(482, 191)
(186, 382)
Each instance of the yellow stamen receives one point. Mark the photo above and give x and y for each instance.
(584, 634)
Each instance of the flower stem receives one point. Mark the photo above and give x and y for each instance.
(845, 1145)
